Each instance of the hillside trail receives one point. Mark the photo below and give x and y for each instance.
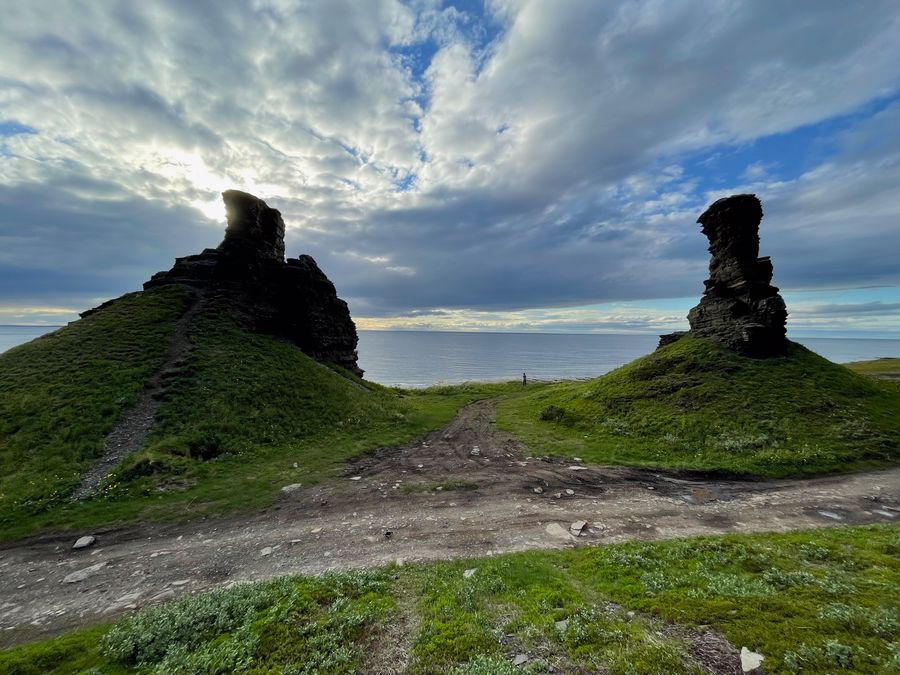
(129, 433)
(388, 507)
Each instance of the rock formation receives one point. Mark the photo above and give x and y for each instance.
(740, 309)
(291, 299)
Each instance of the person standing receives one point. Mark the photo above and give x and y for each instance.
(524, 380)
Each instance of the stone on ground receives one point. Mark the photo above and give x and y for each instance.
(750, 661)
(83, 574)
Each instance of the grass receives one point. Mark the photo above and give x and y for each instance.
(692, 405)
(291, 625)
(810, 602)
(244, 416)
(877, 367)
(62, 393)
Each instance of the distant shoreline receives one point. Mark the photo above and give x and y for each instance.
(795, 338)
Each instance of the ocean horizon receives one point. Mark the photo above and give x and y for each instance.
(424, 358)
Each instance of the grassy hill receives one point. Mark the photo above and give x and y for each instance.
(235, 418)
(693, 405)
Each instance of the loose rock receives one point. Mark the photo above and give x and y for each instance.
(84, 542)
(266, 551)
(468, 573)
(293, 487)
(750, 661)
(520, 659)
(558, 531)
(576, 527)
(83, 574)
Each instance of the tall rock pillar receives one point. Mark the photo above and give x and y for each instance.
(740, 309)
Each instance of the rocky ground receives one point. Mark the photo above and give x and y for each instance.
(467, 490)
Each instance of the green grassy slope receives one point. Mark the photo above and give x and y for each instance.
(886, 367)
(235, 419)
(62, 393)
(693, 405)
(811, 602)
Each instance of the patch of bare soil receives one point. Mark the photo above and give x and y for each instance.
(388, 508)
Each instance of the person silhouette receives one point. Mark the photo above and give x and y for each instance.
(524, 380)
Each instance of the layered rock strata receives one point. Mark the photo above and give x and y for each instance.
(291, 299)
(740, 309)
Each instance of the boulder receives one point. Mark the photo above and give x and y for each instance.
(740, 309)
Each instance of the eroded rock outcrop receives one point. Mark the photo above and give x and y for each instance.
(740, 309)
(292, 299)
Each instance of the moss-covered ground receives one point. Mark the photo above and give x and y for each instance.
(885, 367)
(692, 405)
(811, 602)
(245, 415)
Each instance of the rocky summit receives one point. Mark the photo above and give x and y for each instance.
(740, 309)
(292, 299)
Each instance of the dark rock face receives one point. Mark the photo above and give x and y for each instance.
(740, 309)
(254, 231)
(291, 299)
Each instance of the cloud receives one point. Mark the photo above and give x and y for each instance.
(850, 309)
(528, 155)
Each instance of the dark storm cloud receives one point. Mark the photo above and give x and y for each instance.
(61, 249)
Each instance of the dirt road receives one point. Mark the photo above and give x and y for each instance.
(494, 499)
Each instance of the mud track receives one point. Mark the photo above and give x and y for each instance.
(387, 507)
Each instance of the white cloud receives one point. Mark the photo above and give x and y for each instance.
(536, 167)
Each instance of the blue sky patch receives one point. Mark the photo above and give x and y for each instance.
(14, 128)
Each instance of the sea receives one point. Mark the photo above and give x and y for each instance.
(425, 358)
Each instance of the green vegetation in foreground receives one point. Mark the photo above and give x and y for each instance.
(246, 415)
(810, 602)
(878, 367)
(692, 405)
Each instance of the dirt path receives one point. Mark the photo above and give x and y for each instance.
(129, 433)
(388, 508)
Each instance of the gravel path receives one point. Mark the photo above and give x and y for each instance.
(129, 433)
(388, 508)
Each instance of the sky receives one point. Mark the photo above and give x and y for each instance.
(506, 165)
